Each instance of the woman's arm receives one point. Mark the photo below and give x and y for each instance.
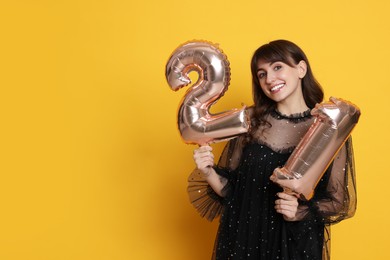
(207, 188)
(204, 160)
(335, 194)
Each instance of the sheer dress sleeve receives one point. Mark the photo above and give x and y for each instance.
(334, 198)
(335, 195)
(201, 195)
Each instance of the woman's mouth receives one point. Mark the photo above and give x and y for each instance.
(277, 87)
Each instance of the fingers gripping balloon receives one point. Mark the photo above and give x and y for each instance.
(332, 126)
(196, 124)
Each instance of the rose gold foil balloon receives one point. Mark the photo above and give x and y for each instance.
(196, 124)
(332, 126)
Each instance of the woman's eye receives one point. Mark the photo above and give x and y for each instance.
(261, 75)
(277, 67)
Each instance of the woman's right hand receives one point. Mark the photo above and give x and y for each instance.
(204, 159)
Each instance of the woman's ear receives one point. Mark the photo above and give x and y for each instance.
(302, 69)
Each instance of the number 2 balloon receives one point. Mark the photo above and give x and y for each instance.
(195, 122)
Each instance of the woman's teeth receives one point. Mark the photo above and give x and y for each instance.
(277, 87)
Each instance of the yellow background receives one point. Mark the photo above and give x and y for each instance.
(92, 165)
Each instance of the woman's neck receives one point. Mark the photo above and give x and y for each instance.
(293, 108)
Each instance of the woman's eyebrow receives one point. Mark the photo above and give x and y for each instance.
(259, 69)
(270, 64)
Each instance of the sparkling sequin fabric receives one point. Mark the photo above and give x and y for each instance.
(250, 228)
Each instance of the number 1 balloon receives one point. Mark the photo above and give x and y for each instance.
(196, 124)
(334, 121)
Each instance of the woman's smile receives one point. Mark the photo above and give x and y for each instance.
(277, 87)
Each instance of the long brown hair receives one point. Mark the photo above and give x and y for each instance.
(289, 53)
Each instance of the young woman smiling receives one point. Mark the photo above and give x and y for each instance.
(259, 220)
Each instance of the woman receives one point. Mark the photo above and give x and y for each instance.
(259, 220)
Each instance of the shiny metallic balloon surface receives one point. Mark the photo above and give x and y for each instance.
(332, 126)
(196, 124)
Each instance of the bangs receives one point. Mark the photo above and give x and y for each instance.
(271, 53)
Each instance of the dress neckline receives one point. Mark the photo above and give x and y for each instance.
(297, 117)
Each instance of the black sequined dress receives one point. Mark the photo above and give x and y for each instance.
(250, 228)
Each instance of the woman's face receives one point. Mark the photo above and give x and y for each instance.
(281, 82)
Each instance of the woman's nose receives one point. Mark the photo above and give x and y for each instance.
(270, 77)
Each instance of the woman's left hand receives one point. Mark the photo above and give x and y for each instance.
(287, 205)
